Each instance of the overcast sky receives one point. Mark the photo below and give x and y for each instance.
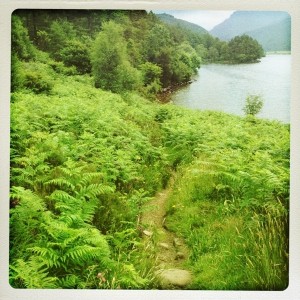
(206, 19)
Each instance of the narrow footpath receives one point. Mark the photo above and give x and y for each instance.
(172, 252)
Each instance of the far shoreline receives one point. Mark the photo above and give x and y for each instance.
(288, 52)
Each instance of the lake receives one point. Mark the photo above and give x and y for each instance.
(225, 87)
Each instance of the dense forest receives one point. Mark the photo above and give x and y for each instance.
(91, 145)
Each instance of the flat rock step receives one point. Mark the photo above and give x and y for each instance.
(147, 233)
(171, 278)
(164, 246)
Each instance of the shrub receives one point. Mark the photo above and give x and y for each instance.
(35, 82)
(76, 54)
(36, 77)
(60, 68)
(254, 104)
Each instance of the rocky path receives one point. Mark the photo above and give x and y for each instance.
(171, 250)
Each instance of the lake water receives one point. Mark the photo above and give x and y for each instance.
(225, 87)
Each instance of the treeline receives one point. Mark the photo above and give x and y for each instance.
(123, 50)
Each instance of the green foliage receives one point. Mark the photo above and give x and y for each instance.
(37, 78)
(76, 54)
(63, 195)
(85, 160)
(267, 264)
(21, 45)
(157, 40)
(31, 274)
(111, 67)
(60, 68)
(254, 104)
(16, 74)
(64, 198)
(244, 49)
(186, 64)
(60, 32)
(21, 49)
(151, 74)
(34, 76)
(178, 62)
(113, 45)
(231, 200)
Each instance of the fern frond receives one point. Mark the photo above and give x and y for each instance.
(89, 177)
(93, 190)
(130, 278)
(74, 220)
(72, 169)
(95, 238)
(69, 281)
(62, 196)
(31, 274)
(81, 254)
(27, 198)
(50, 257)
(60, 182)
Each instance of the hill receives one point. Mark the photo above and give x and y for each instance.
(275, 37)
(170, 20)
(270, 28)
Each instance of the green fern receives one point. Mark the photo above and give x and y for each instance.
(31, 274)
(25, 219)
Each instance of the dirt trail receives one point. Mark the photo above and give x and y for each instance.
(171, 250)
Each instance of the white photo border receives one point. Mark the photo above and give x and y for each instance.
(9, 293)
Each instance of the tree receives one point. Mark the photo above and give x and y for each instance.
(254, 104)
(244, 49)
(21, 45)
(158, 49)
(76, 53)
(151, 74)
(110, 62)
(185, 63)
(60, 33)
(212, 54)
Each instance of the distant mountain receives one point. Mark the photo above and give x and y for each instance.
(275, 37)
(168, 19)
(272, 29)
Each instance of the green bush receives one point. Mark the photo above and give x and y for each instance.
(37, 83)
(37, 77)
(254, 104)
(60, 68)
(76, 54)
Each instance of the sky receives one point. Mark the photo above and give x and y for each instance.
(205, 18)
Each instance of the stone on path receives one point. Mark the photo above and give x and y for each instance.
(177, 242)
(179, 255)
(164, 245)
(147, 233)
(174, 278)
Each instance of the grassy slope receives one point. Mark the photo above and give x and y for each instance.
(232, 180)
(230, 203)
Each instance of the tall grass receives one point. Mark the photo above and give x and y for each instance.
(267, 267)
(230, 203)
